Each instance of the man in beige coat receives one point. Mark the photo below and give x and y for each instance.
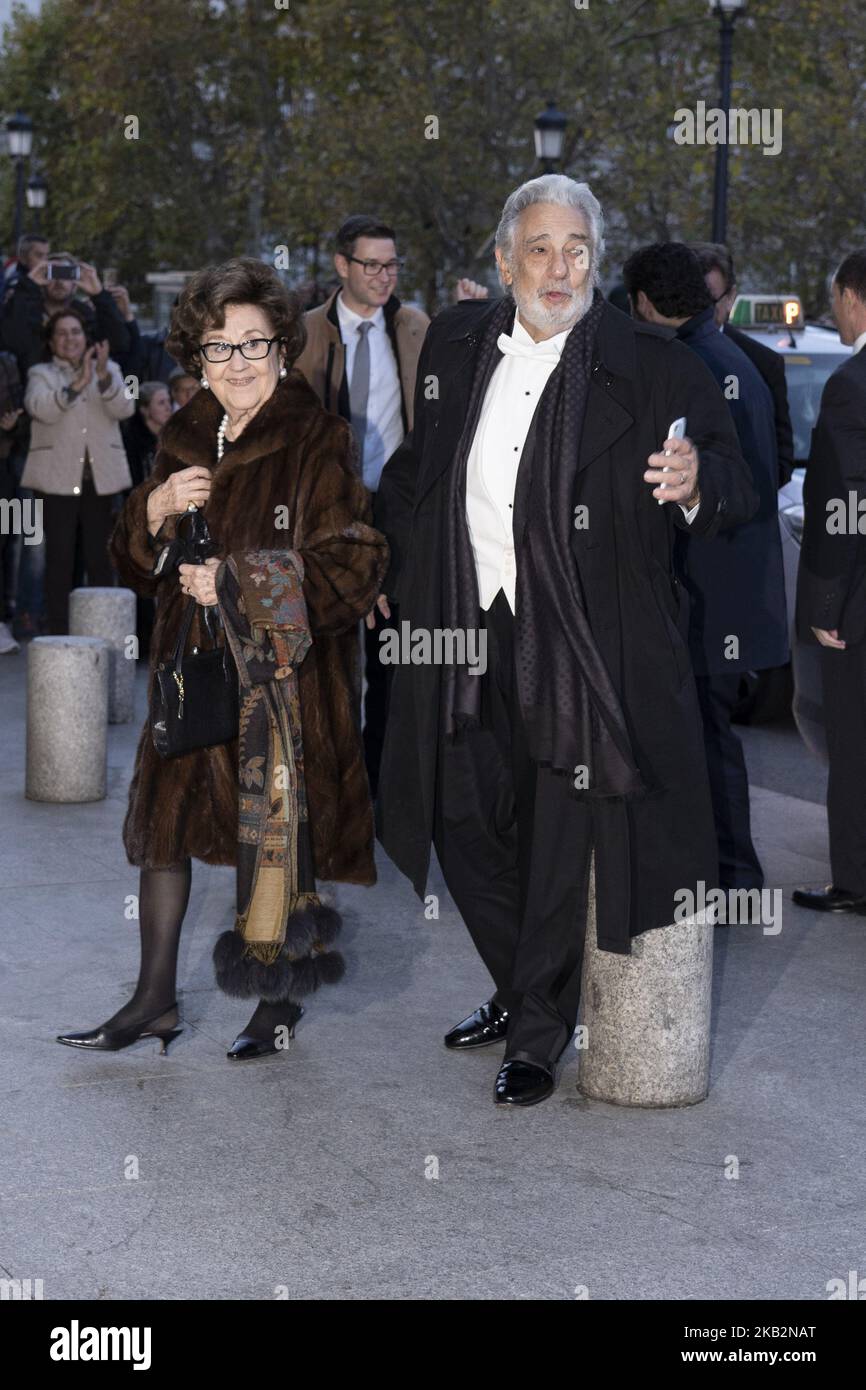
(77, 464)
(360, 358)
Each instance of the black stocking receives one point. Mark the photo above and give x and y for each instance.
(162, 903)
(268, 1017)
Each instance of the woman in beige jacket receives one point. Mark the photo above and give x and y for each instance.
(77, 463)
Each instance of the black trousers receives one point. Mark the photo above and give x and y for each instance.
(844, 678)
(61, 519)
(739, 865)
(514, 844)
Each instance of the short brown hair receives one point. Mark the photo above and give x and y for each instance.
(70, 312)
(202, 303)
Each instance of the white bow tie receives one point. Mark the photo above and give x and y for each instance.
(536, 352)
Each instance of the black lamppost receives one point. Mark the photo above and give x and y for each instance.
(549, 136)
(37, 193)
(727, 12)
(19, 129)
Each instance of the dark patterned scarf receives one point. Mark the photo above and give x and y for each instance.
(278, 948)
(570, 707)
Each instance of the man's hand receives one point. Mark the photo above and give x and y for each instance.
(382, 605)
(88, 280)
(829, 637)
(120, 295)
(38, 273)
(10, 419)
(175, 494)
(680, 458)
(469, 289)
(200, 581)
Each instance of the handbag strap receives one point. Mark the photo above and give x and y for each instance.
(183, 634)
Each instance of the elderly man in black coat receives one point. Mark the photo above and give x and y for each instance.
(736, 582)
(527, 529)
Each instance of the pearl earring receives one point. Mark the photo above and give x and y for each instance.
(205, 383)
(283, 371)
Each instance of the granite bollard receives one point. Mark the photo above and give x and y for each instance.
(110, 614)
(647, 1016)
(67, 719)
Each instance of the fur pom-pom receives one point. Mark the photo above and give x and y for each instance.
(299, 970)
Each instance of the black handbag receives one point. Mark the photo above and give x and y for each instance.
(195, 700)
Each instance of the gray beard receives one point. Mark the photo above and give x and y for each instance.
(553, 321)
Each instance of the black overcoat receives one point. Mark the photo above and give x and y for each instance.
(831, 582)
(648, 847)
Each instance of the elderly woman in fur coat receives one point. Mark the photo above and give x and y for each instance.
(295, 564)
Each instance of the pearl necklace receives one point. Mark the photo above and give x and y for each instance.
(221, 437)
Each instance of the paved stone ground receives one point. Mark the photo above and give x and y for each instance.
(311, 1170)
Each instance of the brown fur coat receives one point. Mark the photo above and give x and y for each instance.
(293, 455)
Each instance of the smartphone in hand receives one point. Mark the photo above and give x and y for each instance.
(675, 431)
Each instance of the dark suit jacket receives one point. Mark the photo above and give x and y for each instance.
(771, 365)
(831, 586)
(641, 380)
(736, 582)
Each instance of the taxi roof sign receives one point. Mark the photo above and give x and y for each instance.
(770, 311)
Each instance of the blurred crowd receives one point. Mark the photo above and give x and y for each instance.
(83, 395)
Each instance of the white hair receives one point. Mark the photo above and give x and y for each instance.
(553, 188)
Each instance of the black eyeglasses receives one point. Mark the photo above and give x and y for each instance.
(372, 268)
(251, 348)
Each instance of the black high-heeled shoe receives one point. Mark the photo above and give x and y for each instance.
(246, 1048)
(113, 1039)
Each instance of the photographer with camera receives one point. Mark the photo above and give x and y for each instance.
(60, 282)
(77, 463)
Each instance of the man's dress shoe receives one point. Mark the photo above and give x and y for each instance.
(829, 899)
(522, 1083)
(488, 1024)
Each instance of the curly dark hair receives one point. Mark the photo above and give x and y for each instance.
(48, 327)
(670, 275)
(201, 306)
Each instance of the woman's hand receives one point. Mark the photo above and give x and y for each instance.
(382, 605)
(175, 494)
(200, 581)
(10, 419)
(84, 375)
(101, 360)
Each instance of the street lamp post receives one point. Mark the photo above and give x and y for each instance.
(727, 12)
(19, 129)
(549, 136)
(37, 192)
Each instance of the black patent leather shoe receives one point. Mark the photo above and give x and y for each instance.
(522, 1083)
(113, 1039)
(246, 1048)
(488, 1024)
(829, 899)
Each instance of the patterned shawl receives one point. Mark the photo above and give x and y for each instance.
(281, 925)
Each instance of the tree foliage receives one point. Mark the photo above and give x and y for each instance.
(262, 123)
